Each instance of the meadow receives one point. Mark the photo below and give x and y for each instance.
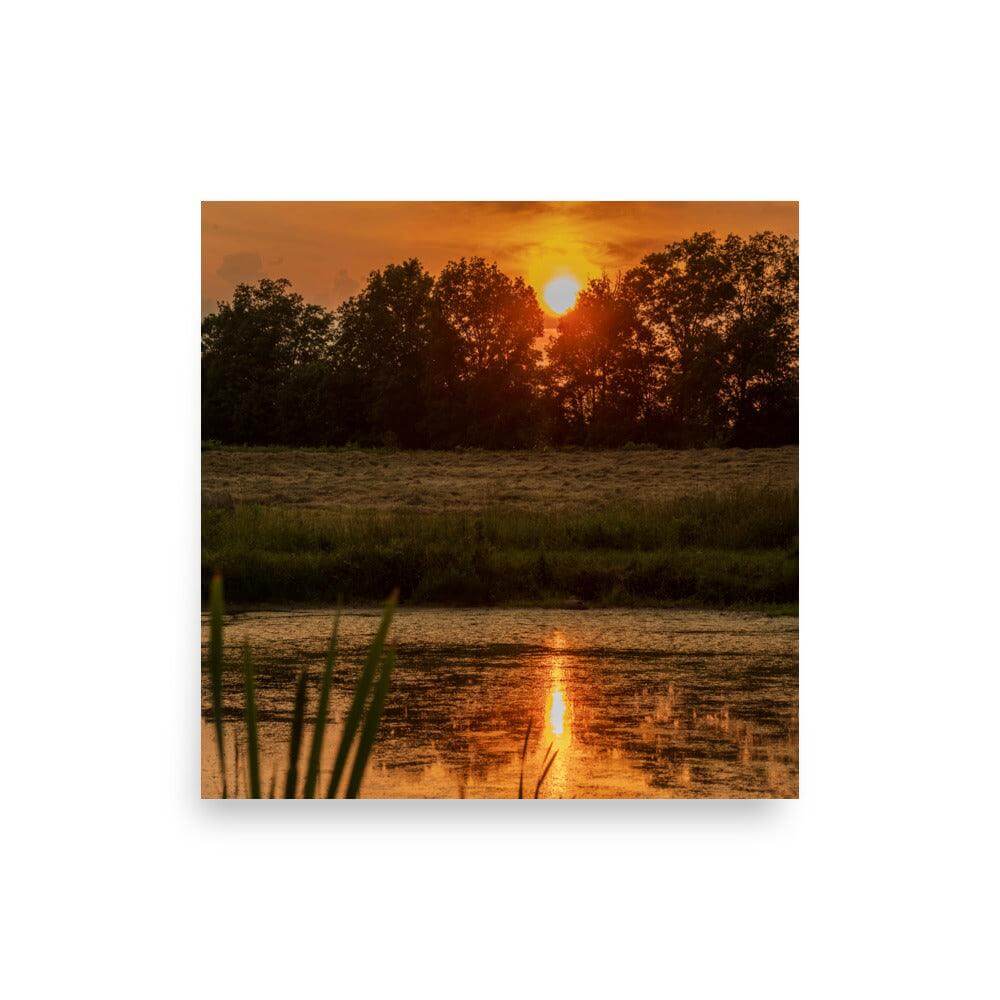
(627, 528)
(470, 479)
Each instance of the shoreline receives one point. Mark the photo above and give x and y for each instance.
(777, 610)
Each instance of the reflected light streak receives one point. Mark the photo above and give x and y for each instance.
(557, 712)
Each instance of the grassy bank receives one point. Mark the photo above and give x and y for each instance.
(723, 549)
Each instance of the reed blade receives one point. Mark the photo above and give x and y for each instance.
(370, 728)
(295, 744)
(524, 753)
(236, 766)
(361, 689)
(322, 710)
(215, 639)
(541, 778)
(253, 745)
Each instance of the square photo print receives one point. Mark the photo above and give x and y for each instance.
(499, 500)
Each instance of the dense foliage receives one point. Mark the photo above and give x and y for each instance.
(697, 344)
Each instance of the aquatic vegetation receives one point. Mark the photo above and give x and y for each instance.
(367, 705)
(547, 762)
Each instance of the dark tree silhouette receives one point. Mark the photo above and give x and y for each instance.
(697, 344)
(603, 371)
(395, 360)
(495, 321)
(265, 365)
(725, 318)
(680, 293)
(760, 389)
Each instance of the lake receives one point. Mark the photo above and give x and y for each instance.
(634, 703)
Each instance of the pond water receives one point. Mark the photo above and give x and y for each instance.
(634, 703)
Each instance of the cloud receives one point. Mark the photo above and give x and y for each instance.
(237, 267)
(344, 286)
(626, 252)
(519, 207)
(520, 249)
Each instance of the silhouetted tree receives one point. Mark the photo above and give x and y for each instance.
(263, 355)
(725, 318)
(761, 345)
(394, 358)
(680, 293)
(697, 344)
(495, 320)
(603, 371)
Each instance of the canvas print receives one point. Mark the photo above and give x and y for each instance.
(499, 500)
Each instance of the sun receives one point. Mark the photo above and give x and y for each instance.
(560, 293)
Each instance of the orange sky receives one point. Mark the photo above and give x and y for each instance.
(328, 248)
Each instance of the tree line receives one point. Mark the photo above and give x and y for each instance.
(695, 345)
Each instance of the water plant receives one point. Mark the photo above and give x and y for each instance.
(363, 717)
(547, 762)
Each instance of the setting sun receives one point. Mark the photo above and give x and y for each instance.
(560, 293)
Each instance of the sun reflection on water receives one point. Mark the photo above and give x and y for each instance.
(557, 713)
(607, 725)
(558, 705)
(558, 730)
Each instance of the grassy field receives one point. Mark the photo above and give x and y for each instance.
(725, 546)
(437, 481)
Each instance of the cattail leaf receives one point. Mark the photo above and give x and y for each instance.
(524, 753)
(253, 745)
(545, 772)
(322, 711)
(295, 744)
(215, 640)
(361, 689)
(370, 729)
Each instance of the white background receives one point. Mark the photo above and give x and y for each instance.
(119, 119)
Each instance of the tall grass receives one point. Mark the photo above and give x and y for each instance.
(736, 519)
(712, 549)
(367, 705)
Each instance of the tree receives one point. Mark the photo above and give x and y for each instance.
(680, 294)
(603, 371)
(394, 358)
(495, 321)
(760, 388)
(697, 344)
(725, 318)
(254, 350)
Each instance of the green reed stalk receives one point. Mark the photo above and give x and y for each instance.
(524, 753)
(545, 771)
(236, 766)
(215, 670)
(361, 690)
(322, 710)
(295, 745)
(370, 729)
(253, 745)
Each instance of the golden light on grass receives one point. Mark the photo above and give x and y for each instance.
(560, 293)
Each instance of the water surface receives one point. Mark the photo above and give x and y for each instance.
(637, 703)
